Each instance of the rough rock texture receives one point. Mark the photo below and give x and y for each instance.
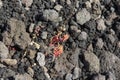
(17, 35)
(93, 63)
(110, 62)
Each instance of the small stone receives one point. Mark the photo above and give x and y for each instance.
(107, 1)
(17, 33)
(101, 25)
(83, 16)
(75, 28)
(1, 66)
(51, 15)
(83, 36)
(68, 76)
(99, 77)
(46, 74)
(118, 44)
(23, 77)
(3, 51)
(1, 3)
(91, 61)
(112, 31)
(6, 72)
(31, 27)
(40, 58)
(58, 7)
(76, 73)
(30, 71)
(110, 62)
(27, 3)
(53, 0)
(88, 4)
(100, 43)
(111, 76)
(44, 35)
(68, 2)
(112, 38)
(10, 62)
(31, 54)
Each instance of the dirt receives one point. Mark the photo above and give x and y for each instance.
(78, 39)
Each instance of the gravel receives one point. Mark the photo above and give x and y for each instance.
(29, 27)
(83, 16)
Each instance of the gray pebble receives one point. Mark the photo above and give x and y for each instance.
(76, 73)
(93, 63)
(23, 77)
(111, 37)
(101, 25)
(110, 62)
(51, 15)
(1, 3)
(30, 71)
(68, 76)
(111, 76)
(44, 35)
(58, 7)
(83, 36)
(3, 51)
(99, 77)
(100, 43)
(40, 58)
(31, 27)
(83, 16)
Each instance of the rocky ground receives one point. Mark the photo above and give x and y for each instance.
(59, 39)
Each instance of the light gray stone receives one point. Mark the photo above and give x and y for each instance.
(40, 58)
(58, 7)
(110, 62)
(1, 3)
(111, 76)
(3, 51)
(101, 25)
(99, 77)
(100, 43)
(83, 16)
(76, 73)
(83, 35)
(31, 27)
(51, 15)
(23, 77)
(92, 61)
(44, 35)
(68, 76)
(112, 38)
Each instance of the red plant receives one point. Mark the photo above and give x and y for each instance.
(58, 50)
